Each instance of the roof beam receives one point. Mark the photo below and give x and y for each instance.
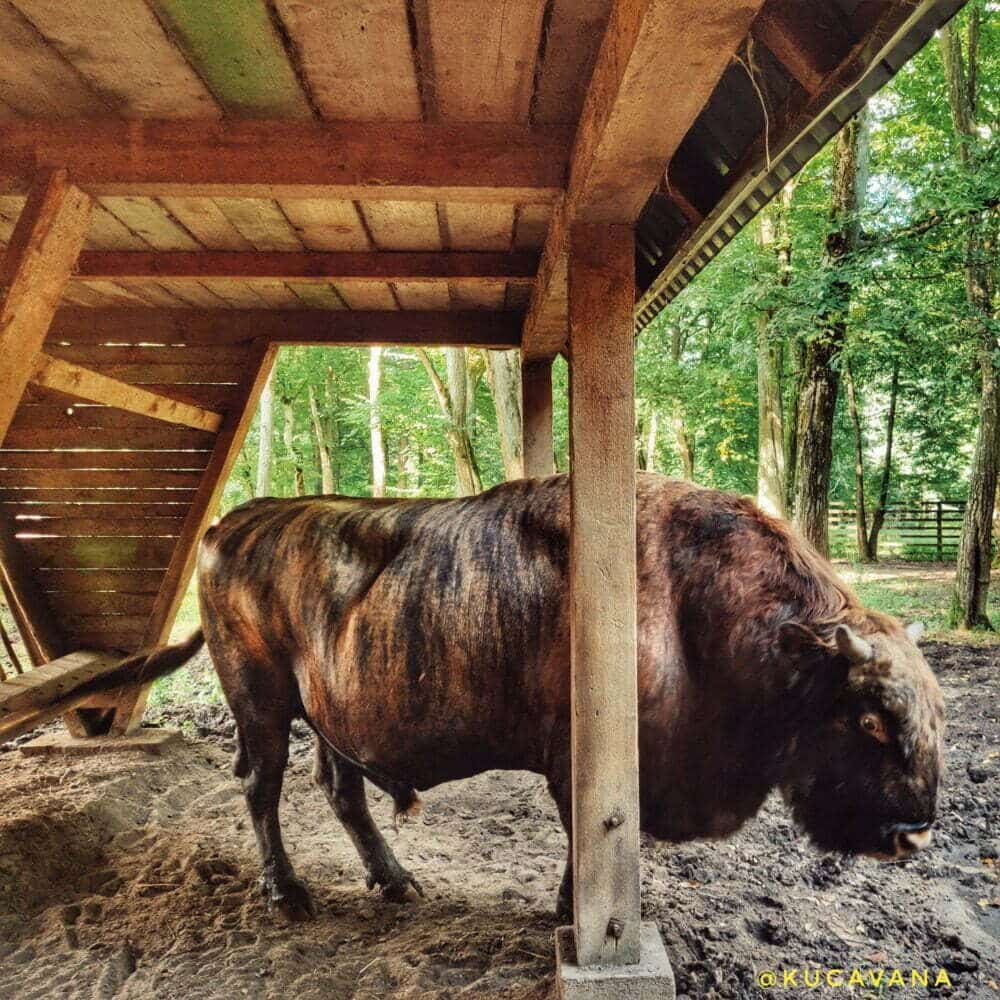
(399, 161)
(463, 268)
(420, 328)
(659, 62)
(75, 380)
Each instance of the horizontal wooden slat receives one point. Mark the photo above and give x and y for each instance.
(132, 581)
(44, 685)
(141, 373)
(106, 622)
(464, 268)
(99, 553)
(402, 161)
(110, 639)
(87, 497)
(225, 355)
(82, 478)
(119, 525)
(427, 328)
(70, 378)
(104, 459)
(49, 432)
(102, 602)
(102, 511)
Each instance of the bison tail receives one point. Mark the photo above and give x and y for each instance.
(148, 664)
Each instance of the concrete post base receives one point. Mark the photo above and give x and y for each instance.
(651, 979)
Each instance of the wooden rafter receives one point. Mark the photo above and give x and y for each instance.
(658, 65)
(75, 380)
(424, 328)
(399, 161)
(464, 269)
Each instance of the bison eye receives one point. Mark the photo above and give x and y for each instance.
(872, 724)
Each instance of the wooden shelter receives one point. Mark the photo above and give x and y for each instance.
(185, 186)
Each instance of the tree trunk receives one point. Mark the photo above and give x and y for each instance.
(972, 573)
(375, 421)
(331, 426)
(453, 401)
(682, 437)
(797, 366)
(327, 484)
(821, 379)
(878, 516)
(503, 372)
(265, 446)
(288, 439)
(774, 237)
(860, 510)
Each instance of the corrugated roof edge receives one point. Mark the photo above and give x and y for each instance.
(741, 205)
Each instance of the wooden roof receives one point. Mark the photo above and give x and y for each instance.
(330, 171)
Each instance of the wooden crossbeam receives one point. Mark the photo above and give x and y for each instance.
(399, 161)
(659, 63)
(466, 269)
(423, 328)
(75, 380)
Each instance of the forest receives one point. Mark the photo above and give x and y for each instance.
(842, 350)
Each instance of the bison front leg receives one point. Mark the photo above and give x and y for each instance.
(345, 789)
(561, 791)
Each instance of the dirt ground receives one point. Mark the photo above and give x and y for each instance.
(133, 877)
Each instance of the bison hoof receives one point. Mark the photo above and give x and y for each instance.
(290, 897)
(395, 886)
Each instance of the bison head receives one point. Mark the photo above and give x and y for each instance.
(861, 774)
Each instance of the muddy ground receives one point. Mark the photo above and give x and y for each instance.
(132, 877)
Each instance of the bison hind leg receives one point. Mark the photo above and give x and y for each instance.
(406, 806)
(344, 786)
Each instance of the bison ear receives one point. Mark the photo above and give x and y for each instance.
(915, 631)
(851, 646)
(796, 638)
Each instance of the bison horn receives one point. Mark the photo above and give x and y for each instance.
(915, 631)
(852, 646)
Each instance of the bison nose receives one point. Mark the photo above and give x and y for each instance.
(910, 837)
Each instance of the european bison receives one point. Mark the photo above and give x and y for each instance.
(427, 640)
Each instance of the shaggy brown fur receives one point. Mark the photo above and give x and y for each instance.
(428, 640)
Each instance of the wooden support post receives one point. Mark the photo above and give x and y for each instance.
(130, 703)
(603, 596)
(536, 410)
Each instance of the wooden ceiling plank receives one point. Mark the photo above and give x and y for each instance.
(485, 75)
(401, 161)
(356, 57)
(191, 293)
(403, 225)
(628, 133)
(235, 294)
(366, 295)
(274, 293)
(531, 226)
(120, 48)
(238, 52)
(261, 223)
(480, 227)
(317, 295)
(422, 295)
(35, 80)
(150, 220)
(78, 381)
(107, 232)
(207, 223)
(326, 225)
(575, 29)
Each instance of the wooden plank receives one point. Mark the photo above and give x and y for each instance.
(103, 601)
(422, 295)
(234, 294)
(366, 295)
(627, 134)
(93, 527)
(402, 161)
(317, 296)
(67, 499)
(78, 381)
(143, 372)
(33, 273)
(109, 233)
(261, 223)
(574, 32)
(236, 49)
(480, 227)
(487, 295)
(171, 508)
(224, 355)
(485, 75)
(79, 479)
(473, 228)
(274, 293)
(118, 640)
(403, 225)
(35, 81)
(207, 223)
(531, 226)
(53, 429)
(149, 219)
(50, 682)
(103, 459)
(357, 58)
(119, 47)
(326, 225)
(603, 595)
(98, 553)
(133, 581)
(536, 407)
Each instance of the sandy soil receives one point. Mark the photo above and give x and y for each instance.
(132, 877)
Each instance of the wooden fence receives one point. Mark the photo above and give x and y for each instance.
(926, 530)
